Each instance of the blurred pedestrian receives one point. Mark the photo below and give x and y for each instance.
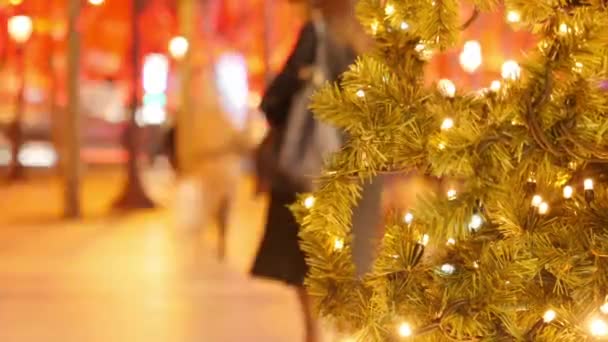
(207, 186)
(331, 36)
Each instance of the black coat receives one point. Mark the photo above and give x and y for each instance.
(279, 256)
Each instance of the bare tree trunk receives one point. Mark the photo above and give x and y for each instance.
(15, 129)
(134, 195)
(185, 116)
(71, 147)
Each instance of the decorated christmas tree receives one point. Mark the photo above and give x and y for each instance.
(517, 249)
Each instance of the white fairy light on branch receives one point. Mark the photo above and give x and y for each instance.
(604, 308)
(425, 239)
(448, 269)
(389, 9)
(404, 329)
(495, 86)
(598, 328)
(446, 87)
(338, 244)
(536, 201)
(451, 194)
(513, 16)
(511, 70)
(588, 184)
(408, 218)
(447, 124)
(309, 202)
(476, 222)
(471, 57)
(564, 29)
(568, 191)
(543, 208)
(549, 316)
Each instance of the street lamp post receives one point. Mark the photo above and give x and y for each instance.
(20, 29)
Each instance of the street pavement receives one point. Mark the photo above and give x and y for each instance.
(132, 278)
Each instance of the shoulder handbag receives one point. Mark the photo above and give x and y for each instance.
(307, 141)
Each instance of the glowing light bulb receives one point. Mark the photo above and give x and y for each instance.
(448, 269)
(476, 222)
(178, 47)
(360, 93)
(409, 218)
(375, 26)
(404, 330)
(568, 192)
(543, 208)
(511, 70)
(604, 308)
(578, 67)
(549, 316)
(20, 28)
(309, 202)
(423, 52)
(451, 242)
(598, 327)
(425, 239)
(495, 86)
(446, 87)
(447, 124)
(404, 26)
(451, 194)
(96, 2)
(588, 184)
(338, 244)
(536, 200)
(513, 16)
(564, 29)
(389, 9)
(471, 57)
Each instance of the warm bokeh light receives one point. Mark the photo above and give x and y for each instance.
(495, 86)
(446, 87)
(511, 70)
(470, 57)
(598, 328)
(405, 330)
(96, 2)
(447, 124)
(568, 192)
(588, 184)
(309, 202)
(338, 244)
(408, 218)
(513, 16)
(15, 2)
(20, 28)
(178, 47)
(543, 208)
(549, 316)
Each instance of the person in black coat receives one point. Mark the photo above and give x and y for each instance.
(279, 256)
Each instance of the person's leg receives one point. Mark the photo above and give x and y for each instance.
(222, 223)
(310, 324)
